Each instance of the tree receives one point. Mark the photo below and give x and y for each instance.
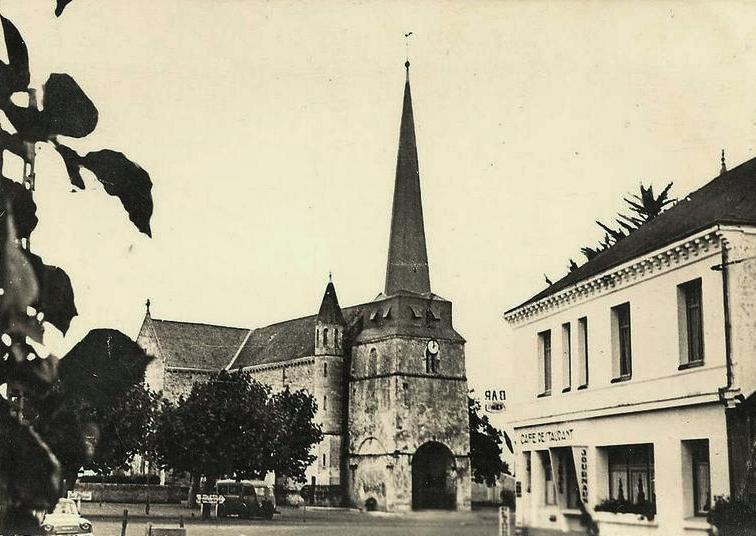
(97, 413)
(35, 295)
(99, 394)
(644, 207)
(485, 446)
(232, 425)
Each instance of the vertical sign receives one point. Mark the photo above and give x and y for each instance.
(580, 455)
(505, 521)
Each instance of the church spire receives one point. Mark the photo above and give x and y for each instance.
(407, 267)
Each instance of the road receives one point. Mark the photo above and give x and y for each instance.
(323, 523)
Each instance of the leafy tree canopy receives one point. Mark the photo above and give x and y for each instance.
(485, 446)
(232, 425)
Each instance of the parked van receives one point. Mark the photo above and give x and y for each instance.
(246, 498)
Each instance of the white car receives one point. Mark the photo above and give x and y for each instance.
(65, 519)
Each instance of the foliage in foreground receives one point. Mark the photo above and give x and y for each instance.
(35, 295)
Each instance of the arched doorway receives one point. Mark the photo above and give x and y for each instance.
(433, 479)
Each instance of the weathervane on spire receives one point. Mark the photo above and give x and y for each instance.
(330, 276)
(723, 170)
(406, 46)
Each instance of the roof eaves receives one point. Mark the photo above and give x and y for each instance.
(671, 244)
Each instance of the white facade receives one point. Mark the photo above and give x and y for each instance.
(629, 418)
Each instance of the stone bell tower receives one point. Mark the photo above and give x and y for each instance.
(327, 388)
(408, 429)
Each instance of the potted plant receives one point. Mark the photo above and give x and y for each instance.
(646, 510)
(733, 516)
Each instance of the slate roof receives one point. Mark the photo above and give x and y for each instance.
(201, 346)
(284, 341)
(407, 265)
(728, 199)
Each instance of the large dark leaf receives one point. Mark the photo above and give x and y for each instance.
(67, 112)
(73, 164)
(17, 277)
(67, 109)
(22, 205)
(21, 364)
(14, 76)
(102, 367)
(60, 6)
(56, 297)
(126, 180)
(30, 123)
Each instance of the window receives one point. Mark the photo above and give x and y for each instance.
(573, 492)
(544, 356)
(325, 337)
(325, 370)
(699, 480)
(631, 474)
(373, 363)
(582, 352)
(527, 471)
(431, 362)
(567, 484)
(566, 358)
(324, 460)
(550, 490)
(690, 323)
(325, 402)
(622, 356)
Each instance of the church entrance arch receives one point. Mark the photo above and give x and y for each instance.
(433, 480)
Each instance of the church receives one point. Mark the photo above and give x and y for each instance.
(388, 375)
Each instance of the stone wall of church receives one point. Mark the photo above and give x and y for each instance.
(396, 407)
(296, 375)
(154, 373)
(322, 377)
(404, 412)
(179, 382)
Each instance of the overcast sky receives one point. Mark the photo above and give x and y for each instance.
(270, 131)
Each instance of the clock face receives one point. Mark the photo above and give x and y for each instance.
(432, 346)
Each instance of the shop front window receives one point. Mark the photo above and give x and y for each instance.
(573, 494)
(550, 490)
(631, 474)
(527, 472)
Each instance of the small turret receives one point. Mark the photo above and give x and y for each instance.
(330, 324)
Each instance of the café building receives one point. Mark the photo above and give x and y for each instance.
(635, 373)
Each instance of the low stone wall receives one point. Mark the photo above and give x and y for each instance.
(136, 493)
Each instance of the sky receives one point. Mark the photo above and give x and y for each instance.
(270, 132)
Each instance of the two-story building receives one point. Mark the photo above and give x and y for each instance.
(636, 373)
